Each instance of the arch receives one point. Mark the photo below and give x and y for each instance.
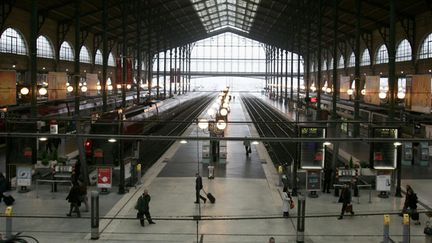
(404, 51)
(84, 56)
(351, 61)
(66, 52)
(381, 55)
(341, 63)
(12, 41)
(98, 57)
(365, 58)
(111, 62)
(426, 48)
(44, 48)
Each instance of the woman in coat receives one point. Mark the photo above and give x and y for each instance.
(286, 201)
(3, 185)
(74, 198)
(345, 198)
(410, 204)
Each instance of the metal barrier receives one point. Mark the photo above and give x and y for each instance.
(359, 186)
(54, 182)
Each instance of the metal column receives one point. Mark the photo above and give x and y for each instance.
(124, 51)
(356, 130)
(104, 54)
(164, 73)
(157, 74)
(175, 71)
(33, 55)
(286, 76)
(392, 58)
(335, 44)
(171, 74)
(318, 83)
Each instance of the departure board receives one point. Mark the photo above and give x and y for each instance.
(384, 154)
(312, 153)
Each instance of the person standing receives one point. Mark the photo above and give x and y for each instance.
(143, 208)
(410, 204)
(198, 188)
(74, 200)
(83, 194)
(345, 198)
(327, 179)
(286, 201)
(3, 185)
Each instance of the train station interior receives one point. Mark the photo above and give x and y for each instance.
(225, 120)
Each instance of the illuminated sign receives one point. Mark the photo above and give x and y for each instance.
(384, 154)
(312, 154)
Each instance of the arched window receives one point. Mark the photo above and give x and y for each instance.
(351, 61)
(403, 51)
(426, 48)
(111, 62)
(84, 55)
(365, 59)
(98, 57)
(66, 52)
(331, 64)
(44, 48)
(341, 63)
(382, 55)
(324, 65)
(12, 42)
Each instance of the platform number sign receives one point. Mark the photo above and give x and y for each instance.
(312, 153)
(384, 154)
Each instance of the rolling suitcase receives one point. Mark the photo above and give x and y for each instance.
(210, 197)
(8, 200)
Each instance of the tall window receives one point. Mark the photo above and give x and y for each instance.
(12, 42)
(365, 58)
(98, 57)
(324, 64)
(44, 47)
(404, 52)
(66, 52)
(351, 62)
(331, 64)
(382, 55)
(341, 63)
(426, 48)
(84, 55)
(111, 62)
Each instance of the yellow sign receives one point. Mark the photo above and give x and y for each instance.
(280, 169)
(406, 218)
(138, 167)
(386, 219)
(8, 211)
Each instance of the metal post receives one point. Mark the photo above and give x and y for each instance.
(386, 230)
(138, 50)
(94, 215)
(392, 58)
(318, 83)
(406, 228)
(171, 73)
(124, 51)
(335, 44)
(301, 209)
(157, 73)
(175, 70)
(8, 214)
(286, 76)
(33, 58)
(120, 154)
(398, 192)
(164, 73)
(356, 130)
(292, 76)
(104, 54)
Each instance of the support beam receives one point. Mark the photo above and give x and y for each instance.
(319, 65)
(105, 54)
(357, 80)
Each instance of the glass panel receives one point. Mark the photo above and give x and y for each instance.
(12, 42)
(44, 48)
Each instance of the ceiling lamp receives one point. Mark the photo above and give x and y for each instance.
(382, 94)
(313, 88)
(350, 91)
(221, 125)
(211, 112)
(363, 91)
(112, 140)
(43, 91)
(110, 87)
(128, 86)
(24, 91)
(224, 112)
(98, 87)
(328, 90)
(69, 89)
(401, 94)
(84, 89)
(203, 124)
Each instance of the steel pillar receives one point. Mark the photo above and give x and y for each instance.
(104, 54)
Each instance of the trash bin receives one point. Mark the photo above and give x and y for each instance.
(210, 172)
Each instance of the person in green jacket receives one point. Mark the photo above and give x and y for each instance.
(142, 206)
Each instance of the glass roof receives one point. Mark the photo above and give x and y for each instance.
(218, 14)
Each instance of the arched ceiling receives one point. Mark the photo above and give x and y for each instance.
(288, 24)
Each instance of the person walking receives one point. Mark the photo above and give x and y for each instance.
(3, 185)
(143, 208)
(286, 202)
(345, 198)
(83, 194)
(410, 204)
(74, 200)
(247, 146)
(198, 188)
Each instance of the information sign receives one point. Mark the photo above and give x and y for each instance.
(313, 182)
(384, 154)
(104, 177)
(24, 175)
(312, 154)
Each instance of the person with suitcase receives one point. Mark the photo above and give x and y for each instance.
(410, 205)
(198, 188)
(345, 199)
(3, 185)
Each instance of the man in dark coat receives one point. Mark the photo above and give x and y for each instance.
(345, 198)
(327, 179)
(198, 188)
(3, 185)
(74, 198)
(143, 208)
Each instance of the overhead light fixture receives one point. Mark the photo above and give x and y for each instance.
(221, 125)
(363, 91)
(326, 143)
(69, 89)
(42, 139)
(43, 91)
(128, 86)
(350, 91)
(183, 141)
(401, 95)
(255, 142)
(112, 140)
(84, 89)
(24, 91)
(203, 124)
(223, 112)
(397, 143)
(382, 95)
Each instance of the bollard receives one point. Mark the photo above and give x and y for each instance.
(428, 232)
(386, 235)
(406, 228)
(8, 214)
(301, 219)
(94, 215)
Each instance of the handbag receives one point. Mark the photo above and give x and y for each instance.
(428, 229)
(292, 205)
(349, 208)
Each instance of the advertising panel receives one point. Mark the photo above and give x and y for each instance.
(312, 154)
(92, 80)
(57, 85)
(7, 87)
(104, 179)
